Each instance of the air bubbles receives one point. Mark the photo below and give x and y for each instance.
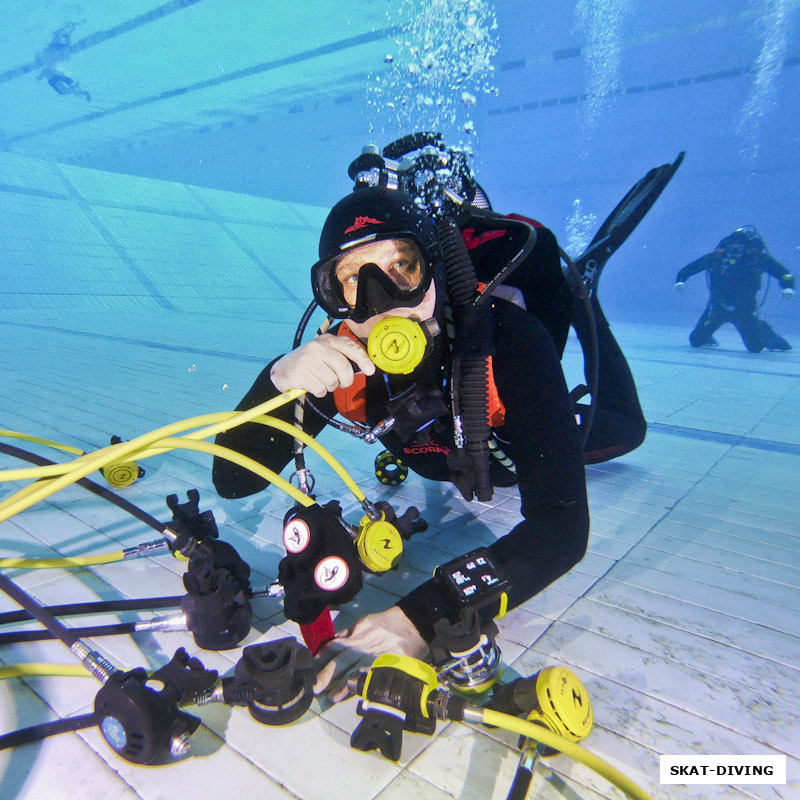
(579, 230)
(774, 28)
(602, 22)
(441, 66)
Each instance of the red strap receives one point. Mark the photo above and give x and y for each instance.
(319, 632)
(351, 402)
(473, 239)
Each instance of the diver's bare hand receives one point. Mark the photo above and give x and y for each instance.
(322, 365)
(389, 631)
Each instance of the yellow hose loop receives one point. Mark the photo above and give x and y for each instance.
(242, 461)
(120, 474)
(34, 670)
(568, 748)
(216, 422)
(88, 464)
(61, 563)
(311, 442)
(37, 440)
(223, 418)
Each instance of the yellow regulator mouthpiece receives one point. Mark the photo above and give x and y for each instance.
(398, 344)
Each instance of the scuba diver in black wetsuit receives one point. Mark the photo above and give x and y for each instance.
(734, 271)
(487, 405)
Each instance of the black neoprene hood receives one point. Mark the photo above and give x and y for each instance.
(363, 217)
(370, 214)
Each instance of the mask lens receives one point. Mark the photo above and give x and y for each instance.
(400, 260)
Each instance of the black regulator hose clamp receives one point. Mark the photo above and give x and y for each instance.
(275, 680)
(139, 715)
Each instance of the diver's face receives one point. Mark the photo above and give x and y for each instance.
(400, 259)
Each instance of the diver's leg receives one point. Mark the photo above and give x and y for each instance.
(703, 333)
(755, 332)
(772, 340)
(619, 425)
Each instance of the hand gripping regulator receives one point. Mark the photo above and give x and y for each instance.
(464, 650)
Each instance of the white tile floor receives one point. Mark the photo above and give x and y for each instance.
(682, 620)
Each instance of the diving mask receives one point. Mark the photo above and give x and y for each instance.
(371, 277)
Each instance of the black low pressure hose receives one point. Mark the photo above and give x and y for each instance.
(98, 606)
(470, 378)
(520, 785)
(42, 615)
(15, 637)
(36, 733)
(527, 248)
(86, 483)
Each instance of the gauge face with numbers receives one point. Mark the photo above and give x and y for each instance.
(473, 578)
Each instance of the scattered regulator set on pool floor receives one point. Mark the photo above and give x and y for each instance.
(141, 715)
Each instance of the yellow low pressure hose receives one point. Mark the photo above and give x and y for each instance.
(38, 440)
(191, 441)
(216, 422)
(242, 461)
(541, 734)
(55, 563)
(174, 443)
(35, 670)
(94, 461)
(38, 473)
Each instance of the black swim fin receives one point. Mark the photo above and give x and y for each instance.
(622, 221)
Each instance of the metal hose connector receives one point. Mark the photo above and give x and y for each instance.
(95, 663)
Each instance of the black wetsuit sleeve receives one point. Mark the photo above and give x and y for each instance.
(544, 443)
(266, 445)
(703, 263)
(777, 270)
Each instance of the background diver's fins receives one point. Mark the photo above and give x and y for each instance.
(622, 221)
